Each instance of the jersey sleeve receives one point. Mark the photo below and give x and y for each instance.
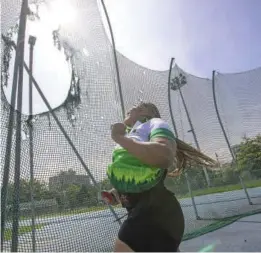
(160, 128)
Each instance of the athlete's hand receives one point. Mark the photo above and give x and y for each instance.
(118, 131)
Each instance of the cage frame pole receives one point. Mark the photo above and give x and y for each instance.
(31, 43)
(16, 195)
(219, 118)
(169, 98)
(192, 197)
(234, 158)
(8, 150)
(115, 59)
(193, 132)
(11, 118)
(245, 190)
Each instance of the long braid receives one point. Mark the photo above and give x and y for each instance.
(185, 154)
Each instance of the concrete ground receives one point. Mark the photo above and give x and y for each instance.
(243, 235)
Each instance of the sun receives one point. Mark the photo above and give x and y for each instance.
(63, 12)
(59, 13)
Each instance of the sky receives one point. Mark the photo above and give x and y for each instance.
(46, 59)
(201, 35)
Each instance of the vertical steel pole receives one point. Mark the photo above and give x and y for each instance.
(9, 138)
(245, 190)
(16, 196)
(193, 132)
(192, 197)
(219, 118)
(115, 59)
(169, 99)
(30, 125)
(234, 159)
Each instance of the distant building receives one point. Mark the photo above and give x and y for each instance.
(65, 178)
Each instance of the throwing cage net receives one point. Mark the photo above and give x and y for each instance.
(54, 153)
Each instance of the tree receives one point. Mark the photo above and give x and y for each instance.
(249, 154)
(179, 185)
(40, 191)
(71, 195)
(83, 196)
(88, 195)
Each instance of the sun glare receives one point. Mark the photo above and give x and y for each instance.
(58, 13)
(50, 68)
(63, 12)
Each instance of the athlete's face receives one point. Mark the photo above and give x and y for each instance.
(135, 114)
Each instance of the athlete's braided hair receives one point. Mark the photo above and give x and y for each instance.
(186, 155)
(154, 111)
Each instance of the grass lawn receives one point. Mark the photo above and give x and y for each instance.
(226, 188)
(71, 212)
(76, 211)
(22, 230)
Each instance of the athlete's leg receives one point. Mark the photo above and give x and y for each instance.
(139, 233)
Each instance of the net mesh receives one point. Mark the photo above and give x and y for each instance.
(69, 215)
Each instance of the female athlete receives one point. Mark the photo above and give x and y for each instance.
(146, 151)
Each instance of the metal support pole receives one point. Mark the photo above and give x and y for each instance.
(193, 132)
(219, 118)
(192, 197)
(245, 190)
(16, 196)
(170, 107)
(8, 150)
(115, 59)
(234, 159)
(17, 62)
(30, 125)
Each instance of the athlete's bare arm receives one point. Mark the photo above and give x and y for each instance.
(159, 152)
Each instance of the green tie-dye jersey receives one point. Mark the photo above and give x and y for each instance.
(127, 173)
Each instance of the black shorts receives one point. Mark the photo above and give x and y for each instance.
(156, 223)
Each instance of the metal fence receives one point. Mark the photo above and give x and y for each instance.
(66, 143)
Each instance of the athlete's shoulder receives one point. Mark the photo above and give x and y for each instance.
(160, 128)
(158, 123)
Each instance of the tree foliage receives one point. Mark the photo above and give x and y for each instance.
(249, 154)
(41, 191)
(70, 195)
(248, 167)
